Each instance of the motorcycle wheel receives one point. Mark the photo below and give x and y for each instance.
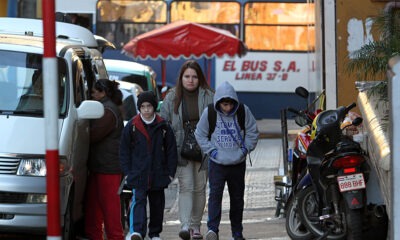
(294, 227)
(308, 212)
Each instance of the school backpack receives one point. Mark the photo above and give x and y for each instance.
(212, 118)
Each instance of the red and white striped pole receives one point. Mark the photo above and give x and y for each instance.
(50, 75)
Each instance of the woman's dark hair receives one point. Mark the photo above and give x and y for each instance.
(111, 89)
(179, 86)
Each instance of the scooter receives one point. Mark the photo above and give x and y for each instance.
(331, 197)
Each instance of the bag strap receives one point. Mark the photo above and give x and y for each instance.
(185, 112)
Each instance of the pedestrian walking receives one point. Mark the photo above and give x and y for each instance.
(182, 107)
(227, 147)
(148, 156)
(102, 201)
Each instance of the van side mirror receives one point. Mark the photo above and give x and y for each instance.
(90, 109)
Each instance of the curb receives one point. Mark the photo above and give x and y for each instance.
(291, 134)
(264, 135)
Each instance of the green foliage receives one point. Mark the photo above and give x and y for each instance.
(380, 91)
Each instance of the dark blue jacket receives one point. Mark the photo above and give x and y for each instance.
(148, 153)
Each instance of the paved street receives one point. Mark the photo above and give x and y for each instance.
(259, 220)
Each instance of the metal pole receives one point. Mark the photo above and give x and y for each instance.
(163, 73)
(209, 71)
(284, 141)
(51, 121)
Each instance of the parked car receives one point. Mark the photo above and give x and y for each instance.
(22, 124)
(130, 93)
(133, 72)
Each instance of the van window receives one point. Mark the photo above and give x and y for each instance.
(21, 83)
(94, 70)
(78, 82)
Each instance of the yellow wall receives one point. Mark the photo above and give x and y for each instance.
(3, 8)
(346, 10)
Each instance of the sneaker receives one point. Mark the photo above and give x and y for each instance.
(184, 234)
(136, 236)
(211, 235)
(195, 234)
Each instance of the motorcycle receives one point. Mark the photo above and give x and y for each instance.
(331, 197)
(297, 165)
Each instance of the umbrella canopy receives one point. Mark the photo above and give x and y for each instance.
(185, 39)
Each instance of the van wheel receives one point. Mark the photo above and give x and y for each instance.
(68, 229)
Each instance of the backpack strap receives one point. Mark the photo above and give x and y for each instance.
(164, 132)
(133, 133)
(212, 118)
(241, 118)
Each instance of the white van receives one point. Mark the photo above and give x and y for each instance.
(23, 196)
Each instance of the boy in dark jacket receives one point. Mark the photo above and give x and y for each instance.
(148, 156)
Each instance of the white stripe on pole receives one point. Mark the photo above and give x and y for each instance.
(51, 104)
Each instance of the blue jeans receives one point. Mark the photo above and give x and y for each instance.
(234, 176)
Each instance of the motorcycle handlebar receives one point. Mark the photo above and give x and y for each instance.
(293, 110)
(351, 106)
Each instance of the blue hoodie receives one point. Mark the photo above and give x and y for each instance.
(228, 145)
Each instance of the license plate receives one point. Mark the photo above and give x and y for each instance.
(351, 182)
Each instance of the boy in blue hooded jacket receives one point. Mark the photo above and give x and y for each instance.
(148, 156)
(227, 149)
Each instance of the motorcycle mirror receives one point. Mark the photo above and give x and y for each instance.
(300, 121)
(302, 92)
(357, 121)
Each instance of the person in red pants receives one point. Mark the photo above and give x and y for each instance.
(103, 202)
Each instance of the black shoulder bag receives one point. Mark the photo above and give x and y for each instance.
(190, 148)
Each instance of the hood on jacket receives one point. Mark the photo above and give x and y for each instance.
(225, 90)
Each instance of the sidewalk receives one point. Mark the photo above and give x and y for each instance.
(260, 205)
(271, 128)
